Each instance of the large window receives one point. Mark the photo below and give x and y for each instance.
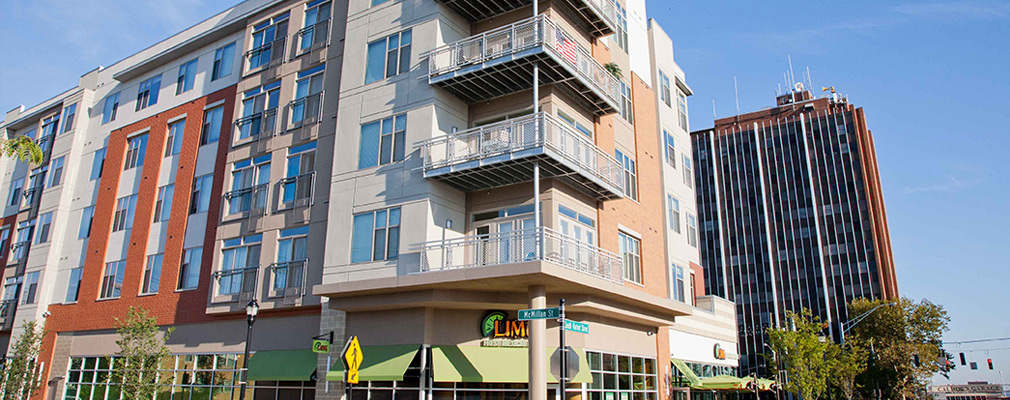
(68, 117)
(50, 127)
(224, 60)
(627, 110)
(298, 180)
(317, 14)
(249, 186)
(163, 204)
(664, 88)
(630, 175)
(211, 125)
(259, 111)
(622, 377)
(16, 187)
(688, 171)
(308, 96)
(671, 149)
(631, 252)
(388, 56)
(110, 108)
(31, 288)
(123, 217)
(240, 259)
(579, 127)
(621, 36)
(677, 292)
(267, 41)
(187, 73)
(682, 109)
(382, 142)
(152, 274)
(692, 230)
(189, 271)
(173, 143)
(292, 251)
(45, 227)
(376, 236)
(147, 94)
(200, 199)
(87, 215)
(112, 280)
(74, 284)
(56, 172)
(673, 212)
(98, 164)
(136, 147)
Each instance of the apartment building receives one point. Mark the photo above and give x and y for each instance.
(792, 215)
(466, 160)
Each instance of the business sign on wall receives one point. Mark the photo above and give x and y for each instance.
(718, 352)
(498, 330)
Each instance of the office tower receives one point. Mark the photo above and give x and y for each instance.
(792, 215)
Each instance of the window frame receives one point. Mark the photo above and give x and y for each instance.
(163, 203)
(69, 114)
(630, 174)
(187, 76)
(198, 200)
(151, 282)
(110, 108)
(45, 226)
(396, 135)
(123, 216)
(147, 92)
(673, 212)
(627, 107)
(630, 250)
(189, 270)
(211, 116)
(390, 234)
(174, 138)
(56, 171)
(692, 230)
(74, 285)
(136, 151)
(31, 288)
(112, 284)
(399, 54)
(224, 55)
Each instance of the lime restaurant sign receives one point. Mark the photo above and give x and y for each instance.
(498, 330)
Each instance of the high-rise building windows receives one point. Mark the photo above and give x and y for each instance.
(136, 148)
(678, 282)
(630, 175)
(316, 14)
(237, 256)
(621, 36)
(664, 88)
(200, 200)
(152, 274)
(112, 280)
(87, 216)
(173, 143)
(382, 142)
(110, 108)
(45, 227)
(187, 74)
(264, 35)
(147, 94)
(189, 271)
(691, 290)
(5, 238)
(163, 204)
(630, 249)
(74, 284)
(388, 56)
(308, 96)
(579, 127)
(56, 171)
(627, 109)
(688, 171)
(298, 179)
(673, 211)
(16, 187)
(376, 236)
(377, 2)
(97, 164)
(123, 217)
(692, 230)
(682, 109)
(671, 149)
(224, 60)
(68, 117)
(211, 125)
(31, 287)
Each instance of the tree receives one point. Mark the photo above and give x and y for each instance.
(140, 354)
(904, 339)
(804, 352)
(21, 376)
(23, 148)
(614, 69)
(848, 362)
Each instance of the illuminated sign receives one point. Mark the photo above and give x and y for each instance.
(498, 330)
(718, 352)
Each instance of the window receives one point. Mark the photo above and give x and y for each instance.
(56, 172)
(298, 180)
(382, 142)
(123, 218)
(621, 377)
(377, 2)
(110, 109)
(200, 200)
(692, 231)
(292, 251)
(112, 280)
(25, 231)
(691, 291)
(682, 109)
(621, 36)
(259, 111)
(688, 172)
(224, 58)
(173, 144)
(631, 252)
(376, 236)
(16, 187)
(263, 46)
(147, 94)
(189, 271)
(163, 205)
(68, 117)
(678, 282)
(317, 13)
(627, 109)
(630, 176)
(97, 164)
(237, 257)
(135, 150)
(87, 215)
(571, 121)
(31, 287)
(50, 125)
(388, 57)
(664, 88)
(74, 285)
(45, 226)
(11, 287)
(308, 89)
(249, 186)
(211, 125)
(5, 237)
(152, 274)
(673, 209)
(187, 73)
(671, 150)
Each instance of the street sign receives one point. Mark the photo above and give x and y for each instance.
(573, 363)
(320, 346)
(540, 313)
(352, 358)
(575, 326)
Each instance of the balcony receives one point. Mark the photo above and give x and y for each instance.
(265, 56)
(503, 153)
(235, 284)
(536, 244)
(500, 62)
(19, 250)
(313, 37)
(599, 15)
(7, 308)
(257, 126)
(306, 110)
(288, 280)
(296, 191)
(251, 200)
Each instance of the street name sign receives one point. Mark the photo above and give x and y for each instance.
(540, 313)
(575, 326)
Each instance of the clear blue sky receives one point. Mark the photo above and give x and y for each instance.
(932, 77)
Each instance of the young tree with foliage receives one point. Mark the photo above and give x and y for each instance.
(21, 378)
(900, 333)
(140, 354)
(848, 362)
(804, 352)
(23, 148)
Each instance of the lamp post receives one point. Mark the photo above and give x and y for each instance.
(778, 371)
(855, 321)
(250, 317)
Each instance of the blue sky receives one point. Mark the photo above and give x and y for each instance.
(932, 77)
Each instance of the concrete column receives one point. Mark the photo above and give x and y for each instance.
(538, 344)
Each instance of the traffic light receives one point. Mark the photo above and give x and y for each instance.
(963, 362)
(990, 363)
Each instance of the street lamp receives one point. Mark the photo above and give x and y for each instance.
(778, 370)
(855, 321)
(251, 310)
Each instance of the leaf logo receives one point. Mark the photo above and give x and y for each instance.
(487, 324)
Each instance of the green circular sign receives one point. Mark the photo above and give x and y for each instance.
(487, 325)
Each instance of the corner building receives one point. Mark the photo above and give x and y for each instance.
(465, 161)
(792, 214)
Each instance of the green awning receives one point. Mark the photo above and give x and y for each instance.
(723, 382)
(493, 364)
(692, 378)
(381, 363)
(282, 365)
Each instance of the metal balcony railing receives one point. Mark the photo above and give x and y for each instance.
(7, 308)
(252, 199)
(605, 8)
(520, 36)
(268, 54)
(532, 244)
(314, 36)
(289, 278)
(239, 282)
(46, 142)
(19, 250)
(259, 125)
(515, 135)
(297, 190)
(305, 110)
(30, 194)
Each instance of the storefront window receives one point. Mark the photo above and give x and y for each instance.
(621, 377)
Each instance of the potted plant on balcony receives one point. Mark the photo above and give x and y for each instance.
(614, 70)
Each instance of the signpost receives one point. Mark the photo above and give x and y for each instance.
(564, 360)
(352, 358)
(540, 313)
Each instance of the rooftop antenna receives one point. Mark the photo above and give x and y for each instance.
(792, 76)
(737, 91)
(713, 109)
(810, 81)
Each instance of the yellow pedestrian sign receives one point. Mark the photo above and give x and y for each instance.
(352, 358)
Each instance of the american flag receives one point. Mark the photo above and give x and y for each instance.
(565, 47)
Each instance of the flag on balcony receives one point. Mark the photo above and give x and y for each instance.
(565, 47)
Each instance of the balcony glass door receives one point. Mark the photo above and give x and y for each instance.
(263, 43)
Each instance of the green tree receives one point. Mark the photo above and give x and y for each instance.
(614, 69)
(21, 375)
(140, 354)
(848, 362)
(23, 148)
(805, 354)
(905, 341)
